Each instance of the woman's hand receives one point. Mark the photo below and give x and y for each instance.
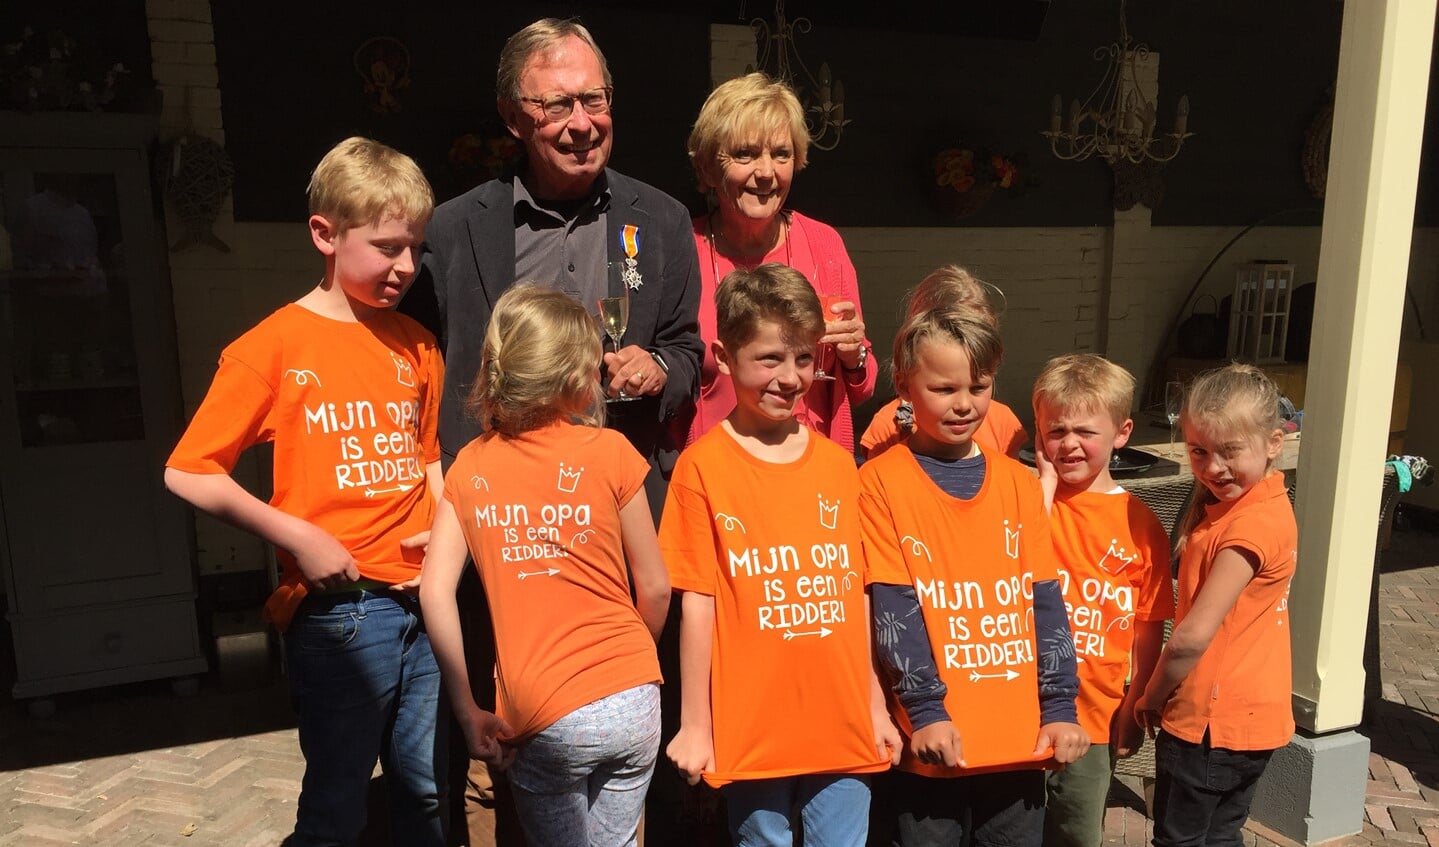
(845, 330)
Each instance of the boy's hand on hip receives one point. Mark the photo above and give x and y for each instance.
(693, 753)
(1069, 741)
(938, 744)
(323, 561)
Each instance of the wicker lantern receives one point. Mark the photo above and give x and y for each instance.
(1259, 312)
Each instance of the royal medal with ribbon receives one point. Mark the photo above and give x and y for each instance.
(630, 241)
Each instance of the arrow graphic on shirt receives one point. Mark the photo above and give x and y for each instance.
(821, 632)
(976, 676)
(371, 492)
(545, 572)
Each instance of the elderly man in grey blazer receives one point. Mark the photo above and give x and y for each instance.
(568, 221)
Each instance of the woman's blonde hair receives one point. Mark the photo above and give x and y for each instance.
(742, 110)
(540, 363)
(360, 182)
(955, 324)
(1235, 400)
(952, 285)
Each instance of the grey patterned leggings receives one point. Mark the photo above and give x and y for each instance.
(581, 782)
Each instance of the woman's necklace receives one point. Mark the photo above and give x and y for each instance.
(714, 236)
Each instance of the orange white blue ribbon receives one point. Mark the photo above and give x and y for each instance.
(630, 243)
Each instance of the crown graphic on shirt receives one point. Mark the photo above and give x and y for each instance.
(404, 373)
(1011, 540)
(569, 478)
(1113, 554)
(828, 513)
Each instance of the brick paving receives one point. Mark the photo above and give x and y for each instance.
(136, 765)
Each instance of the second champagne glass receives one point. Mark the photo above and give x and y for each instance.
(1173, 404)
(826, 360)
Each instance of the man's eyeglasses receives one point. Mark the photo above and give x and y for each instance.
(559, 107)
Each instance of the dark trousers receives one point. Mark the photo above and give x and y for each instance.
(1003, 809)
(1202, 793)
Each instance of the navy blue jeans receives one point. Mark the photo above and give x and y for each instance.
(1202, 793)
(365, 686)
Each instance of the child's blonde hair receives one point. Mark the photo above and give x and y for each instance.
(1084, 381)
(540, 362)
(952, 285)
(773, 292)
(361, 182)
(1235, 400)
(969, 328)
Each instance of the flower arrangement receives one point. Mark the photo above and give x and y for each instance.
(966, 176)
(965, 168)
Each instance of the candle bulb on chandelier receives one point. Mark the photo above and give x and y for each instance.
(1074, 117)
(1181, 115)
(1056, 108)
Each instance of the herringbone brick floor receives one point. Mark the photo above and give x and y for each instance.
(136, 765)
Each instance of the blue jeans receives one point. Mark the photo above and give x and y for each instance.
(365, 686)
(1202, 793)
(834, 808)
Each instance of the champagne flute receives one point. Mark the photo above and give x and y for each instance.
(1173, 403)
(826, 351)
(614, 317)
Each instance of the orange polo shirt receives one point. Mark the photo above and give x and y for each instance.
(973, 564)
(541, 516)
(1115, 560)
(778, 547)
(999, 432)
(1240, 689)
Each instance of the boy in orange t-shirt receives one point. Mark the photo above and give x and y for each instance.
(346, 390)
(1000, 431)
(780, 704)
(1223, 682)
(1114, 557)
(968, 611)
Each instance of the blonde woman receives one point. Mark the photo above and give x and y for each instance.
(747, 144)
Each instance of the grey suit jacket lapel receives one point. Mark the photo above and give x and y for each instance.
(492, 239)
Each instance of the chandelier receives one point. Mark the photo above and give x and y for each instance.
(822, 96)
(1116, 122)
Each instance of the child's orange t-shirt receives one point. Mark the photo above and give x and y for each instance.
(1240, 690)
(541, 516)
(351, 408)
(973, 564)
(999, 432)
(1114, 558)
(778, 547)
